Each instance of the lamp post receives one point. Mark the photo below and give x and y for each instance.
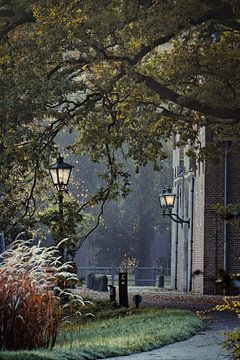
(167, 201)
(60, 173)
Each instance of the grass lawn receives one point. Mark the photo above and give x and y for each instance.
(116, 332)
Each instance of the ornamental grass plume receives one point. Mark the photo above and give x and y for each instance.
(31, 301)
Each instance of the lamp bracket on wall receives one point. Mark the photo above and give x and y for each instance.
(176, 218)
(166, 201)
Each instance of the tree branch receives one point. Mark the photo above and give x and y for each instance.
(234, 25)
(230, 116)
(218, 13)
(6, 12)
(24, 18)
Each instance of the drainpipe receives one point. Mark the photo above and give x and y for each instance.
(191, 234)
(176, 243)
(185, 231)
(225, 228)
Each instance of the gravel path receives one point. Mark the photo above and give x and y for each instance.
(203, 346)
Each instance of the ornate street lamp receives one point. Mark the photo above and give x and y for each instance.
(167, 201)
(60, 173)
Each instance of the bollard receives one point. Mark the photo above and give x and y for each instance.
(90, 280)
(96, 283)
(103, 283)
(112, 293)
(137, 299)
(123, 289)
(161, 281)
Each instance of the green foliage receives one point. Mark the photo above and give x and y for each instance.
(74, 223)
(230, 212)
(232, 343)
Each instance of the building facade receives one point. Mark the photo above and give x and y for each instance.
(208, 245)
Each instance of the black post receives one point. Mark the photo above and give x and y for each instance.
(216, 253)
(60, 208)
(123, 289)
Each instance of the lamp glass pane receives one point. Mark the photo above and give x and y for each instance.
(162, 201)
(63, 176)
(170, 200)
(53, 173)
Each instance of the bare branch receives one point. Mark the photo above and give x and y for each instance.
(84, 237)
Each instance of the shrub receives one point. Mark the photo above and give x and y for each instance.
(31, 301)
(232, 341)
(230, 304)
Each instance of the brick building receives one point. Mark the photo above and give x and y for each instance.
(208, 243)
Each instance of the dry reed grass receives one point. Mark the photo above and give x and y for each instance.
(31, 301)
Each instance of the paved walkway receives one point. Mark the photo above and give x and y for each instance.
(204, 346)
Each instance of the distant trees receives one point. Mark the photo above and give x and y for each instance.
(126, 234)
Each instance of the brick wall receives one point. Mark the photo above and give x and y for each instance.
(208, 228)
(213, 228)
(233, 194)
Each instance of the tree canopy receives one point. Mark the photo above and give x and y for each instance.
(123, 74)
